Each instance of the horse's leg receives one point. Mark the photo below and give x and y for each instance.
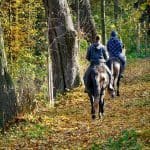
(116, 76)
(101, 103)
(118, 85)
(92, 108)
(118, 81)
(96, 93)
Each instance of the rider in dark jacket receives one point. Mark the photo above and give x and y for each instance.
(96, 54)
(114, 47)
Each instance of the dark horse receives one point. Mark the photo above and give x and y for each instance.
(97, 82)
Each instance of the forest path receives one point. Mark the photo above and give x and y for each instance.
(69, 124)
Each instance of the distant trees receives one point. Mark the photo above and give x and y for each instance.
(116, 10)
(86, 21)
(144, 6)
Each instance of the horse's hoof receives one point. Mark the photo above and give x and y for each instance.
(113, 95)
(85, 91)
(93, 117)
(101, 115)
(118, 94)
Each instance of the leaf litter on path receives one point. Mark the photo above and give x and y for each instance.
(69, 124)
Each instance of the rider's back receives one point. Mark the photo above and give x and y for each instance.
(96, 52)
(114, 47)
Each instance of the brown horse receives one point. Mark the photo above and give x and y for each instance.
(97, 82)
(115, 69)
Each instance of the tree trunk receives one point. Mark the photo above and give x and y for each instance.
(86, 20)
(8, 102)
(138, 38)
(103, 21)
(116, 11)
(63, 45)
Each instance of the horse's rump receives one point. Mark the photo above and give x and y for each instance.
(100, 68)
(97, 78)
(115, 67)
(114, 59)
(97, 81)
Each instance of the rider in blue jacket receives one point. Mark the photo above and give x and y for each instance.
(114, 47)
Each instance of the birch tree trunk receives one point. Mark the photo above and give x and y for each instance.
(138, 38)
(103, 21)
(116, 5)
(8, 102)
(63, 45)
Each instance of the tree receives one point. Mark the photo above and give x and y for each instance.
(25, 37)
(103, 21)
(82, 8)
(8, 102)
(63, 45)
(116, 11)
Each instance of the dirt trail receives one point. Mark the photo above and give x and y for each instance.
(69, 124)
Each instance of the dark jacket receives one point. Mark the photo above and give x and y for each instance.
(96, 52)
(114, 47)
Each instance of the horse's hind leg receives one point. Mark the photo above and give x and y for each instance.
(118, 86)
(96, 93)
(92, 108)
(101, 103)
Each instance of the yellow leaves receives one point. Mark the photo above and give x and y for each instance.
(112, 27)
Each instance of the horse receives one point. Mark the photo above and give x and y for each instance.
(115, 66)
(96, 85)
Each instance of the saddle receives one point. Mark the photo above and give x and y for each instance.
(101, 68)
(97, 62)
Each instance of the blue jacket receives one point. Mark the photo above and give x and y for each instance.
(96, 52)
(114, 47)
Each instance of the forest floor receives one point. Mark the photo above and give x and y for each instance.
(68, 125)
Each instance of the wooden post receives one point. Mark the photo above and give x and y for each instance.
(50, 80)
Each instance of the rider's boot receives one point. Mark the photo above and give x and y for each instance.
(122, 72)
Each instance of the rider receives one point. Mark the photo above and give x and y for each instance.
(114, 47)
(96, 54)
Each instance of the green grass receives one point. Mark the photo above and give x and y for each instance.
(138, 102)
(135, 55)
(126, 141)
